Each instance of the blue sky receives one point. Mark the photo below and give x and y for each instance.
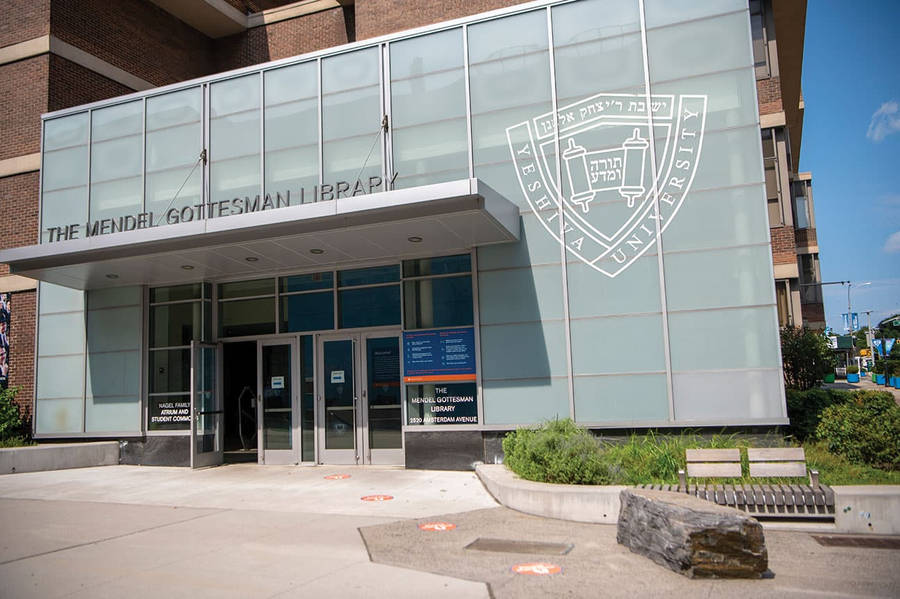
(851, 143)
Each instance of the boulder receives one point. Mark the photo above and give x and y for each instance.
(691, 536)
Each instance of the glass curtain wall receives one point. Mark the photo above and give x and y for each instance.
(717, 278)
(234, 139)
(178, 316)
(117, 161)
(428, 106)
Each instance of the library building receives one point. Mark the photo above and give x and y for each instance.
(395, 249)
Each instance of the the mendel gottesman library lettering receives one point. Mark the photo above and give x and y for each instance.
(406, 246)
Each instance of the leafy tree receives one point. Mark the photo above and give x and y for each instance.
(806, 358)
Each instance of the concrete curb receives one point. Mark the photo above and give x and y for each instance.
(58, 456)
(580, 503)
(864, 509)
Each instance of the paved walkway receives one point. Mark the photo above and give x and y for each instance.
(864, 383)
(270, 531)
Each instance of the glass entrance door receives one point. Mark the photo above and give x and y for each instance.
(206, 407)
(360, 399)
(279, 431)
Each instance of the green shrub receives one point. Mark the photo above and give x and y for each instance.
(559, 451)
(865, 429)
(11, 424)
(806, 358)
(805, 408)
(853, 370)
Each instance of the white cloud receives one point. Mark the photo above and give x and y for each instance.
(892, 244)
(885, 121)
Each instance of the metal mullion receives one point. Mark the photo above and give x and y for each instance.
(144, 155)
(387, 157)
(348, 287)
(90, 153)
(205, 130)
(440, 276)
(320, 112)
(305, 292)
(567, 328)
(476, 326)
(469, 148)
(262, 136)
(248, 297)
(168, 347)
(667, 350)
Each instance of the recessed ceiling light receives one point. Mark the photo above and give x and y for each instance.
(112, 276)
(251, 259)
(187, 267)
(415, 239)
(317, 251)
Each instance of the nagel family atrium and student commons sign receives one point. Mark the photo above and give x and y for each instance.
(397, 249)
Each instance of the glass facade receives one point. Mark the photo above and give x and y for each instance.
(632, 150)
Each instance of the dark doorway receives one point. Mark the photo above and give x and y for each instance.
(239, 397)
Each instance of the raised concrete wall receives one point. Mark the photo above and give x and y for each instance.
(581, 503)
(58, 456)
(872, 509)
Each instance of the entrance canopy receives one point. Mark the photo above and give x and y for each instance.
(434, 219)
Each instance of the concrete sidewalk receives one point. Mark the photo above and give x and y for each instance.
(271, 531)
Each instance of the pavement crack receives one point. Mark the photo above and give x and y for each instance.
(112, 538)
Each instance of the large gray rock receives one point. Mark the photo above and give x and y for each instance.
(691, 536)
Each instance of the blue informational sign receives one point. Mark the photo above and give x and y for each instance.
(439, 355)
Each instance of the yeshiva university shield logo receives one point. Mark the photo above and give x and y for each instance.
(606, 189)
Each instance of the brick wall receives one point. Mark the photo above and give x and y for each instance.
(136, 36)
(19, 205)
(283, 39)
(380, 17)
(783, 249)
(21, 349)
(23, 89)
(23, 20)
(71, 85)
(769, 94)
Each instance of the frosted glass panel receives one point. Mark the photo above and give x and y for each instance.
(428, 103)
(729, 158)
(64, 171)
(528, 350)
(112, 414)
(720, 339)
(61, 334)
(719, 278)
(597, 46)
(56, 298)
(634, 291)
(739, 214)
(730, 96)
(351, 116)
(60, 376)
(525, 401)
(632, 398)
(234, 138)
(115, 375)
(610, 345)
(685, 51)
(292, 129)
(174, 142)
(520, 295)
(535, 246)
(666, 12)
(116, 161)
(728, 396)
(509, 82)
(115, 296)
(59, 415)
(114, 329)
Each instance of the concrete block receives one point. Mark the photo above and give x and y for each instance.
(58, 456)
(867, 509)
(580, 503)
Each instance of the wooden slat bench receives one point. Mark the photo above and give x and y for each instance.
(767, 500)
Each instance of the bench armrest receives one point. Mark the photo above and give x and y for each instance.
(814, 479)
